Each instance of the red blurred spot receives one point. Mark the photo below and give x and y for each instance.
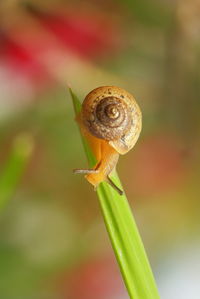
(97, 279)
(158, 165)
(85, 34)
(27, 46)
(22, 60)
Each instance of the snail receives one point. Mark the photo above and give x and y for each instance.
(111, 121)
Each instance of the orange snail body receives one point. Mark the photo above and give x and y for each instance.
(111, 121)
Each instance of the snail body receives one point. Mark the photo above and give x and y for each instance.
(111, 121)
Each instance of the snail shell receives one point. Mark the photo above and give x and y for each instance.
(112, 114)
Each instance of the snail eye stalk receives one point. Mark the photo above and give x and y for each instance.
(85, 171)
(111, 183)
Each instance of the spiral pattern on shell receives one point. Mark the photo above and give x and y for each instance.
(109, 118)
(112, 114)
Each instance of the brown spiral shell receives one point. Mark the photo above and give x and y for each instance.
(112, 114)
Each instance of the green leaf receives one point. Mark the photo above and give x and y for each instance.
(15, 166)
(123, 233)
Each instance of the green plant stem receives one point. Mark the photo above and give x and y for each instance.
(123, 233)
(14, 168)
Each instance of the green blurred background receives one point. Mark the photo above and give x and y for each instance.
(53, 243)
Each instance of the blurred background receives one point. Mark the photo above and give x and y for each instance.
(53, 243)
